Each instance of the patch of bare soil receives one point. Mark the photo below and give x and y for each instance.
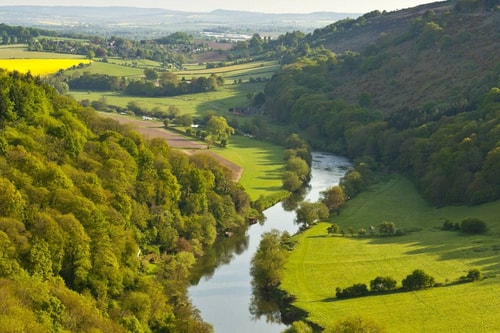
(153, 129)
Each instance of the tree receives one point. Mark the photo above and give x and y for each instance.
(267, 263)
(474, 275)
(300, 167)
(387, 228)
(334, 198)
(173, 111)
(417, 280)
(218, 129)
(473, 225)
(291, 181)
(383, 283)
(333, 229)
(309, 213)
(186, 120)
(150, 74)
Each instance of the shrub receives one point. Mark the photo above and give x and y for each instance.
(357, 324)
(383, 283)
(474, 275)
(356, 290)
(473, 225)
(417, 280)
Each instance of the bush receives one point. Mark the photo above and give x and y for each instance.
(474, 275)
(450, 226)
(357, 324)
(383, 283)
(356, 290)
(418, 280)
(473, 225)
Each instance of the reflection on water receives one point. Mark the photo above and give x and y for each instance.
(222, 288)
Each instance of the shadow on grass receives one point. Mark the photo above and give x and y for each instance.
(395, 291)
(481, 250)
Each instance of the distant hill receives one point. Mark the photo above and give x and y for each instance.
(129, 20)
(409, 58)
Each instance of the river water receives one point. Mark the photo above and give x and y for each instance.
(223, 290)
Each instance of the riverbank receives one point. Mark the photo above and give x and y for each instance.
(320, 263)
(225, 295)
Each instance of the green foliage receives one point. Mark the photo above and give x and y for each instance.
(383, 283)
(417, 280)
(299, 327)
(84, 200)
(473, 225)
(267, 263)
(474, 275)
(334, 198)
(333, 229)
(357, 325)
(310, 213)
(446, 143)
(387, 228)
(356, 290)
(218, 129)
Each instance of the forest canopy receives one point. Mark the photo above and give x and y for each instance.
(99, 226)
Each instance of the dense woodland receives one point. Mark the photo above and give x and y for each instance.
(446, 139)
(87, 206)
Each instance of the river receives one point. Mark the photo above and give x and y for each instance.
(223, 293)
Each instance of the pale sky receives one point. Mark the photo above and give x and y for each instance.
(264, 6)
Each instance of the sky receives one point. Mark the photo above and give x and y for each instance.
(264, 6)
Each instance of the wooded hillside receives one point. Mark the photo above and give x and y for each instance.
(420, 96)
(98, 226)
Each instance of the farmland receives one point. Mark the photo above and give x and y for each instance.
(322, 263)
(38, 63)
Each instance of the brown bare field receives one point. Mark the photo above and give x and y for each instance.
(153, 129)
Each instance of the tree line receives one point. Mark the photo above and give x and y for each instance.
(99, 227)
(153, 85)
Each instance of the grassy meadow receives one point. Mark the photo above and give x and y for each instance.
(220, 101)
(320, 263)
(262, 163)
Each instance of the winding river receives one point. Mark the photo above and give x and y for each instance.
(222, 290)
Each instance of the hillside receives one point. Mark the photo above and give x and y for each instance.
(416, 92)
(99, 226)
(425, 55)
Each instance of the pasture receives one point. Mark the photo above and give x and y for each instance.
(20, 51)
(262, 164)
(219, 101)
(320, 263)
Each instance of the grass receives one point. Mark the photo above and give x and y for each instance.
(262, 163)
(20, 51)
(320, 263)
(219, 101)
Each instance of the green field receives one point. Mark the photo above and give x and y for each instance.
(20, 51)
(262, 162)
(219, 101)
(320, 263)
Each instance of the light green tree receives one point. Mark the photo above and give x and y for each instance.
(219, 130)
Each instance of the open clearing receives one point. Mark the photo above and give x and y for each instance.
(320, 263)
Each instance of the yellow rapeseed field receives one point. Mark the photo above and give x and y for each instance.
(40, 67)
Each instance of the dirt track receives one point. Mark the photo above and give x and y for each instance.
(154, 129)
